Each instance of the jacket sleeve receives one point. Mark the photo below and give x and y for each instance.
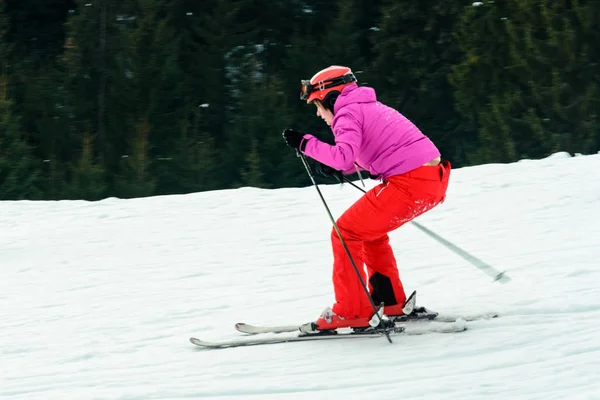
(341, 156)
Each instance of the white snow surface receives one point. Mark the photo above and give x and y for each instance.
(98, 299)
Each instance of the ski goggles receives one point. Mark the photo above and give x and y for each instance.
(308, 88)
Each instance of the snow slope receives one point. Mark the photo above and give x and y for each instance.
(98, 299)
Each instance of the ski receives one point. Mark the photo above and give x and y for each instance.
(422, 319)
(301, 337)
(418, 328)
(415, 321)
(413, 326)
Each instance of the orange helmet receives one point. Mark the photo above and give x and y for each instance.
(326, 81)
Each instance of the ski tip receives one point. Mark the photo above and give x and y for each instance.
(244, 328)
(194, 340)
(205, 345)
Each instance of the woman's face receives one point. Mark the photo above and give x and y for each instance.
(324, 113)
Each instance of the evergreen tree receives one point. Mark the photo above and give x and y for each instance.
(554, 57)
(45, 110)
(140, 97)
(19, 171)
(133, 179)
(533, 88)
(261, 115)
(343, 37)
(414, 53)
(35, 83)
(36, 31)
(481, 82)
(223, 43)
(252, 174)
(99, 77)
(88, 180)
(192, 166)
(157, 84)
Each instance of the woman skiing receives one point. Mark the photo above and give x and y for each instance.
(373, 137)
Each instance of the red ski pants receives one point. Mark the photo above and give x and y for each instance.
(365, 227)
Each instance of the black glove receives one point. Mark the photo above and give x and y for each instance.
(374, 177)
(326, 171)
(294, 139)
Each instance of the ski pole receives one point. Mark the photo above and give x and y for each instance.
(483, 266)
(337, 230)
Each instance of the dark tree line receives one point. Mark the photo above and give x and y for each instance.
(131, 98)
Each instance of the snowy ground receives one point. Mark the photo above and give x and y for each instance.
(98, 300)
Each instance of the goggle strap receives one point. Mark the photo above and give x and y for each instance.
(322, 85)
(335, 81)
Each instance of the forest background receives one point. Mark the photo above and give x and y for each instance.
(133, 98)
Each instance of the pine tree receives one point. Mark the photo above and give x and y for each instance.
(133, 179)
(414, 50)
(533, 89)
(252, 174)
(261, 115)
(481, 82)
(192, 166)
(343, 37)
(554, 55)
(45, 110)
(157, 81)
(223, 42)
(36, 31)
(19, 171)
(88, 180)
(99, 77)
(36, 83)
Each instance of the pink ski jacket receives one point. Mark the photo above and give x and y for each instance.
(371, 136)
